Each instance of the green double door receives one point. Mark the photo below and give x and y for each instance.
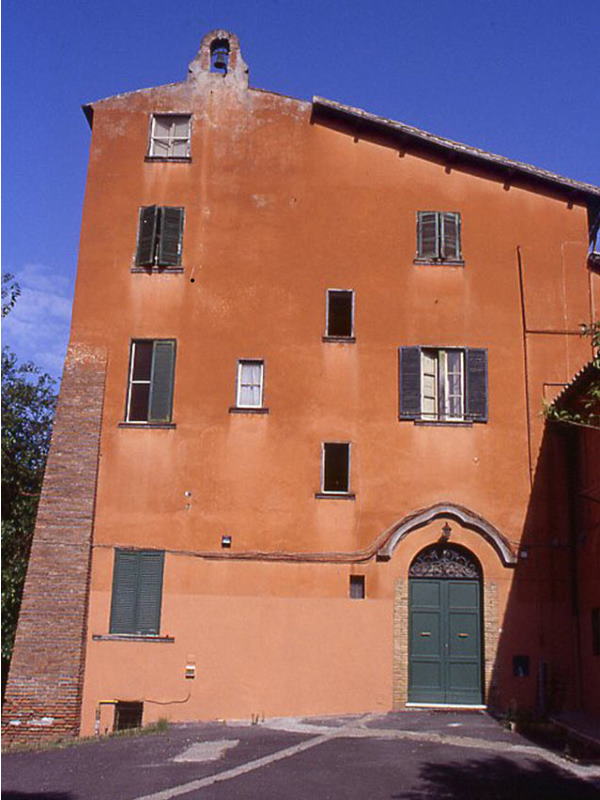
(445, 641)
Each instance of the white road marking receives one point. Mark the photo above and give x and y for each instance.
(202, 783)
(206, 751)
(356, 729)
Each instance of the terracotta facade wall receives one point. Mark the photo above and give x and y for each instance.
(281, 205)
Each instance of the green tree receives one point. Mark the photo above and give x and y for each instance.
(587, 411)
(28, 402)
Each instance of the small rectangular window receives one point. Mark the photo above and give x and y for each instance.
(137, 592)
(596, 631)
(438, 236)
(340, 313)
(336, 467)
(150, 391)
(160, 237)
(170, 136)
(357, 587)
(250, 384)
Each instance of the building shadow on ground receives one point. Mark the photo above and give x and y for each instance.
(498, 778)
(38, 796)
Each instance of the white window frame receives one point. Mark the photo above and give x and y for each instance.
(440, 357)
(242, 362)
(170, 140)
(134, 345)
(334, 335)
(335, 491)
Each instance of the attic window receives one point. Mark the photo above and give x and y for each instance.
(219, 56)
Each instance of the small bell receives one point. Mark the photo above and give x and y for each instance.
(220, 58)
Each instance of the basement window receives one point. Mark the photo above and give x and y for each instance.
(336, 467)
(128, 715)
(340, 315)
(170, 136)
(357, 587)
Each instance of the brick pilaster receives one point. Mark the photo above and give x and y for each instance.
(43, 694)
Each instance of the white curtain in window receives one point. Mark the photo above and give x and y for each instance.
(250, 384)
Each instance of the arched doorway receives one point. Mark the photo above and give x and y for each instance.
(445, 627)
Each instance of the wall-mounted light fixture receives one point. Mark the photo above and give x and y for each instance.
(446, 531)
(225, 541)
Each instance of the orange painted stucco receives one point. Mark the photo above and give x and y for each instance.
(279, 207)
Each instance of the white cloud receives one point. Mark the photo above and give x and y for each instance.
(37, 328)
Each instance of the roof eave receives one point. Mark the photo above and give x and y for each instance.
(576, 190)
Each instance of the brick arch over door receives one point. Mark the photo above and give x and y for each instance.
(467, 518)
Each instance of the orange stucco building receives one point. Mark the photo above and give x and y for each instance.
(295, 463)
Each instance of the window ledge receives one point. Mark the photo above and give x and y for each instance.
(340, 339)
(174, 159)
(459, 423)
(438, 262)
(157, 269)
(335, 496)
(167, 425)
(132, 637)
(242, 410)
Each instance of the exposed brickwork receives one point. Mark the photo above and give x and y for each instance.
(400, 666)
(400, 663)
(491, 637)
(43, 695)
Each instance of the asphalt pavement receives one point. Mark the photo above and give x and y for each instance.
(408, 755)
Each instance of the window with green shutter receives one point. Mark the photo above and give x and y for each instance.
(151, 373)
(160, 237)
(438, 237)
(137, 591)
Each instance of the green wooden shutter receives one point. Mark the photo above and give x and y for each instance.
(428, 234)
(124, 592)
(171, 230)
(149, 595)
(161, 382)
(409, 368)
(476, 384)
(450, 236)
(146, 236)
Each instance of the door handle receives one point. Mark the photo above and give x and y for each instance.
(425, 633)
(463, 635)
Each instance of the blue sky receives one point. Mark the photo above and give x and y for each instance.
(518, 78)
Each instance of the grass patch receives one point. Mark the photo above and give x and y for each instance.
(160, 726)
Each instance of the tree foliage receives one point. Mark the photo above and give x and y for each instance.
(28, 402)
(587, 409)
